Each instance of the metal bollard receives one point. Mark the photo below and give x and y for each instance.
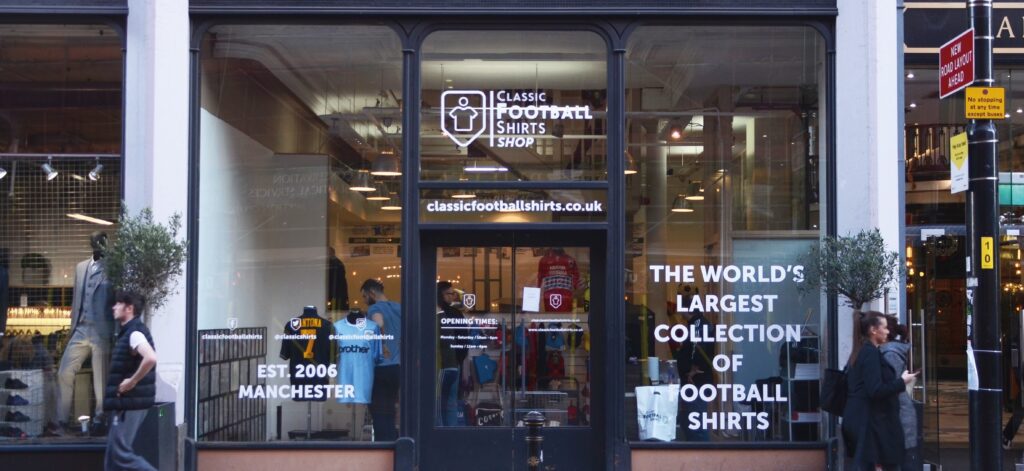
(535, 453)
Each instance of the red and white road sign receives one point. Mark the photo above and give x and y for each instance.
(956, 64)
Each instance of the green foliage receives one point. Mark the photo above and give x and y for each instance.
(147, 257)
(857, 267)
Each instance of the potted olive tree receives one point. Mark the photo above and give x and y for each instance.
(858, 267)
(146, 257)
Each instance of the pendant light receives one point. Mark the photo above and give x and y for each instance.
(361, 182)
(681, 205)
(380, 193)
(696, 192)
(392, 204)
(386, 165)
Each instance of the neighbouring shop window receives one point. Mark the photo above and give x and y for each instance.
(936, 288)
(513, 106)
(724, 198)
(299, 290)
(60, 191)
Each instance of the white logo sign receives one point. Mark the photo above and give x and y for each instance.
(232, 323)
(555, 300)
(510, 118)
(468, 300)
(295, 323)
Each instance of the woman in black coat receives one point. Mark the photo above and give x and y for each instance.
(871, 419)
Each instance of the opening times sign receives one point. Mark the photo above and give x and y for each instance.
(956, 64)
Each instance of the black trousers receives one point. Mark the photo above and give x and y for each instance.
(382, 404)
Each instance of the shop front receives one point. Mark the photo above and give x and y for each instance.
(409, 228)
(412, 232)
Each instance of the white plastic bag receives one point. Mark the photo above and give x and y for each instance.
(656, 410)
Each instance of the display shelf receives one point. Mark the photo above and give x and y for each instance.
(802, 376)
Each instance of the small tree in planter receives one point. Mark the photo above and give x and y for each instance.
(857, 267)
(146, 257)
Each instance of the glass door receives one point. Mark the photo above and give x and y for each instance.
(510, 332)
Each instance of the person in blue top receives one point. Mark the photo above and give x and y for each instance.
(388, 316)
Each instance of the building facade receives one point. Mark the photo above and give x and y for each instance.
(412, 223)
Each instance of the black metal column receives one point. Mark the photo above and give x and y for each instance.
(983, 276)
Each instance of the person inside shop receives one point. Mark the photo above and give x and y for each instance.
(450, 356)
(131, 384)
(871, 419)
(387, 315)
(92, 329)
(337, 283)
(693, 360)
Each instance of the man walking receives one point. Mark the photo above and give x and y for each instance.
(131, 384)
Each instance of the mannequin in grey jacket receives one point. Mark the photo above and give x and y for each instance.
(92, 329)
(896, 353)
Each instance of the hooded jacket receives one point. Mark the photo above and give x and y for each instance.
(896, 354)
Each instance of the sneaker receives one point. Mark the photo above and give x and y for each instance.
(16, 416)
(16, 400)
(14, 383)
(12, 432)
(1006, 443)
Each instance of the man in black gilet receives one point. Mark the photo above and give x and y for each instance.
(131, 384)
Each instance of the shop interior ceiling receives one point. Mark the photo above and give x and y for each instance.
(356, 94)
(60, 89)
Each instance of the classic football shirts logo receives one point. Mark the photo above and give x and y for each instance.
(509, 118)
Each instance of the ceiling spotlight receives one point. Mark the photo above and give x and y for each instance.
(696, 192)
(386, 165)
(361, 182)
(94, 174)
(681, 205)
(380, 193)
(913, 105)
(3, 173)
(675, 131)
(630, 168)
(48, 170)
(910, 74)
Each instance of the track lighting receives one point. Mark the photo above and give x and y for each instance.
(94, 174)
(48, 170)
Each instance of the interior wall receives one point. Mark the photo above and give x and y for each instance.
(263, 238)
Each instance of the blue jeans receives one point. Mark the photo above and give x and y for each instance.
(448, 397)
(701, 434)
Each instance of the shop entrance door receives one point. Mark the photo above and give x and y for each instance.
(514, 337)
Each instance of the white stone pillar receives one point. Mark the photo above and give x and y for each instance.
(867, 132)
(156, 153)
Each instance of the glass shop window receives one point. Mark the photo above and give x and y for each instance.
(299, 270)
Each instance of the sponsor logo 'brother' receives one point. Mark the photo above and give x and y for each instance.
(511, 119)
(353, 349)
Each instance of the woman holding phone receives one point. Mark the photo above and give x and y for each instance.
(871, 421)
(896, 353)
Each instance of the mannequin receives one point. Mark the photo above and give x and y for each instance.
(358, 352)
(92, 328)
(308, 352)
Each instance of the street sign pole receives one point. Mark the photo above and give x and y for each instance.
(983, 342)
